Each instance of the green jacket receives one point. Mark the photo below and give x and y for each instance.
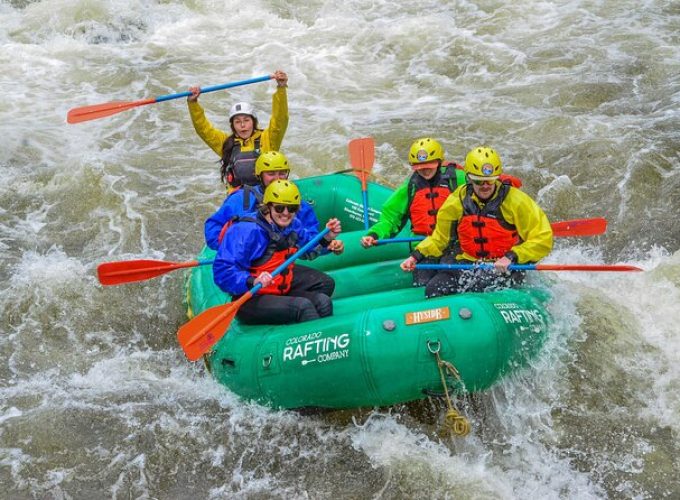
(395, 211)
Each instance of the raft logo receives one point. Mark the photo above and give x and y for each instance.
(313, 348)
(513, 313)
(427, 316)
(355, 211)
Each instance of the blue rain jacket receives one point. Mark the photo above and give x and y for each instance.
(243, 243)
(233, 205)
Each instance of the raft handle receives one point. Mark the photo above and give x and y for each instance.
(228, 362)
(430, 343)
(267, 361)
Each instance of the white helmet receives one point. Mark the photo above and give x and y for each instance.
(242, 108)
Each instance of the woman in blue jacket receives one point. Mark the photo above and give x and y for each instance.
(257, 243)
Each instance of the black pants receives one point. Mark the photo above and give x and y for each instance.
(449, 282)
(421, 277)
(309, 298)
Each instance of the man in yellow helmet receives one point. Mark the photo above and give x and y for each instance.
(418, 199)
(491, 221)
(257, 244)
(240, 149)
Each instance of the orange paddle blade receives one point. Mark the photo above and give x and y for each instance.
(201, 333)
(86, 113)
(580, 227)
(362, 157)
(117, 273)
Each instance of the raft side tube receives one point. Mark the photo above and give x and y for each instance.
(385, 355)
(340, 196)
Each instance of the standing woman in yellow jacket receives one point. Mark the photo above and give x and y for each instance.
(492, 222)
(240, 149)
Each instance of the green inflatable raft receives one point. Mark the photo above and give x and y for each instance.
(382, 344)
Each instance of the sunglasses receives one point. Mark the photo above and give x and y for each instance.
(279, 209)
(481, 182)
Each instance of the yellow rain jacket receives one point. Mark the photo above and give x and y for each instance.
(270, 138)
(518, 208)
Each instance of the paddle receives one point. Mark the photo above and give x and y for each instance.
(580, 227)
(533, 267)
(129, 271)
(576, 227)
(95, 111)
(362, 156)
(198, 335)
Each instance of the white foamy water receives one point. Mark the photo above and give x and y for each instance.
(96, 399)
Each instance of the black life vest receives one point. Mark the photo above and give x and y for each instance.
(240, 165)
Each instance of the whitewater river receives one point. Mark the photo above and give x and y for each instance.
(580, 97)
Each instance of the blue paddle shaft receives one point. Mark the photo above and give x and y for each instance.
(213, 88)
(310, 244)
(400, 240)
(365, 194)
(485, 265)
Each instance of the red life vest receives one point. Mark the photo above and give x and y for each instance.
(229, 223)
(510, 179)
(279, 249)
(483, 232)
(426, 197)
(247, 192)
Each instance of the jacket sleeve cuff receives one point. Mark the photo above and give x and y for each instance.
(512, 256)
(250, 282)
(417, 255)
(373, 235)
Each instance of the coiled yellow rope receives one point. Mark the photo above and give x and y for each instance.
(454, 422)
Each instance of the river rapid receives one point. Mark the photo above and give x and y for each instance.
(581, 99)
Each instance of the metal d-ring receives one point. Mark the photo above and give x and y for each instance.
(430, 343)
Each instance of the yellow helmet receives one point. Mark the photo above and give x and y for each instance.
(425, 150)
(271, 161)
(281, 192)
(483, 163)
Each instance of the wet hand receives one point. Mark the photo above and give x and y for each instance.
(335, 229)
(336, 246)
(280, 77)
(408, 265)
(265, 279)
(368, 241)
(501, 265)
(195, 92)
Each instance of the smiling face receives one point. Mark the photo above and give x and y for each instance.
(427, 173)
(243, 126)
(426, 170)
(269, 177)
(282, 215)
